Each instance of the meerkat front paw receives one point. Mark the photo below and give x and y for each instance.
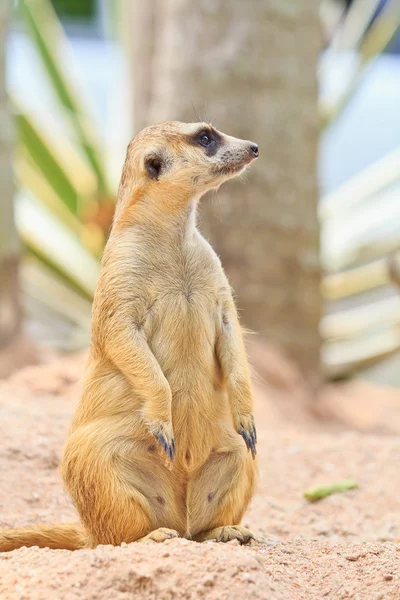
(163, 433)
(247, 429)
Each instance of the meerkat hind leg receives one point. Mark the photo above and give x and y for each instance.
(160, 535)
(125, 495)
(220, 492)
(227, 533)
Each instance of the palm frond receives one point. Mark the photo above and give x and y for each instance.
(50, 42)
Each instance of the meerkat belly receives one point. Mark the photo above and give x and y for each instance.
(184, 344)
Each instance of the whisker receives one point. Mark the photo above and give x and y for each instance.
(195, 112)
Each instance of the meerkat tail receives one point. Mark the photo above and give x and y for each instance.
(58, 537)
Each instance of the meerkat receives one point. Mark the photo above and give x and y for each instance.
(163, 441)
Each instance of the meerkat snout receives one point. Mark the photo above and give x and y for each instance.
(223, 156)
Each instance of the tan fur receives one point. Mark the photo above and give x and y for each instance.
(167, 359)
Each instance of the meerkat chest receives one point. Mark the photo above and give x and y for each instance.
(191, 283)
(191, 299)
(186, 313)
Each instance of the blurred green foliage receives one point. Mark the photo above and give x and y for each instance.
(64, 202)
(75, 8)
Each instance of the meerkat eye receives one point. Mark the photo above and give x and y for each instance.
(204, 139)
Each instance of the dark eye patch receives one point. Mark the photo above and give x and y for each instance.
(204, 138)
(207, 138)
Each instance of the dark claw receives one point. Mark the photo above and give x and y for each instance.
(245, 436)
(254, 435)
(253, 450)
(250, 441)
(161, 440)
(168, 449)
(253, 439)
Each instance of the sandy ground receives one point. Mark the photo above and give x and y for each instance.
(346, 546)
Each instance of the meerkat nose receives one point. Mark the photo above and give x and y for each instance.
(253, 149)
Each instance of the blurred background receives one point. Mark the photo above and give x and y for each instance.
(311, 243)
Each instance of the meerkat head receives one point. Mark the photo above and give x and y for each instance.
(169, 164)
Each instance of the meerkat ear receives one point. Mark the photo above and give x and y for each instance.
(154, 166)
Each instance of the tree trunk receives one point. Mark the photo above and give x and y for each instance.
(9, 302)
(250, 68)
(145, 20)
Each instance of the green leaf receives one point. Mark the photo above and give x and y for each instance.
(52, 46)
(47, 163)
(319, 493)
(48, 238)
